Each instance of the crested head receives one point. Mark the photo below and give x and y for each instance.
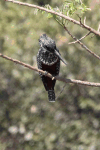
(49, 51)
(47, 43)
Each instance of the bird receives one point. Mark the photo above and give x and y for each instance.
(48, 60)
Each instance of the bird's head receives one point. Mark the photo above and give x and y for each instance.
(49, 45)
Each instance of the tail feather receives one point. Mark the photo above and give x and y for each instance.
(51, 95)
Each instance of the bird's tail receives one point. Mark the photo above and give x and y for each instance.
(51, 95)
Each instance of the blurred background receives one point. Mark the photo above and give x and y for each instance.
(27, 120)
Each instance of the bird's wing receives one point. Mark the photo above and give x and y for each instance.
(54, 70)
(57, 68)
(40, 66)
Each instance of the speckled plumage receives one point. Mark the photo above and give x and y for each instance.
(48, 59)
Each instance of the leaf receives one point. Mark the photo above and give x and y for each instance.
(36, 11)
(43, 12)
(49, 15)
(77, 1)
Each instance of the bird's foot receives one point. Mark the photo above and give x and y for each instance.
(53, 78)
(45, 73)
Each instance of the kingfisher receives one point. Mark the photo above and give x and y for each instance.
(48, 60)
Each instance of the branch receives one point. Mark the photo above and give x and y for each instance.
(80, 38)
(99, 28)
(82, 45)
(58, 14)
(86, 83)
(61, 91)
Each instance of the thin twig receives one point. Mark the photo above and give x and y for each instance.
(84, 46)
(61, 91)
(26, 65)
(81, 2)
(58, 14)
(85, 20)
(98, 28)
(80, 38)
(86, 83)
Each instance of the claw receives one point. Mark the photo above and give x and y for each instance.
(53, 78)
(45, 73)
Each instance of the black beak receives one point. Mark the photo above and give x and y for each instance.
(58, 55)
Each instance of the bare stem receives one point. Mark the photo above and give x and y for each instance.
(82, 45)
(80, 38)
(58, 14)
(86, 83)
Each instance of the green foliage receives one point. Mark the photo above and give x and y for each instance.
(76, 6)
(68, 8)
(27, 120)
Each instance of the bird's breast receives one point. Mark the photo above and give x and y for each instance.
(48, 58)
